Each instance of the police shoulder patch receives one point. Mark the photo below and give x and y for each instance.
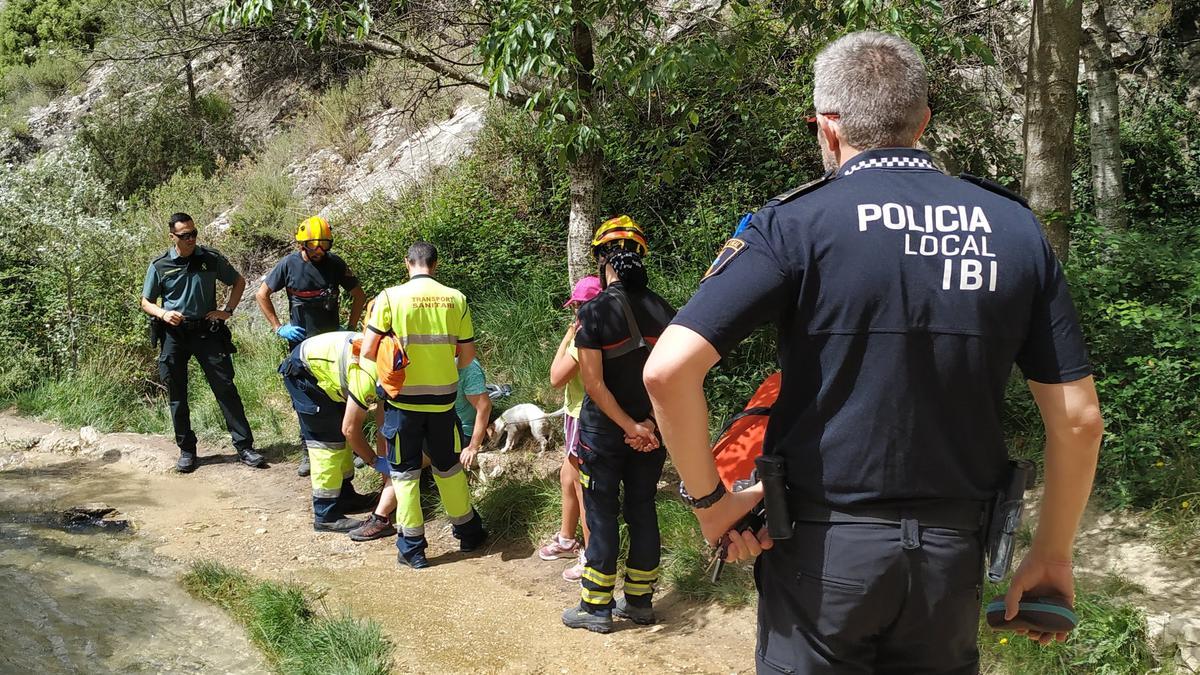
(801, 191)
(728, 252)
(993, 186)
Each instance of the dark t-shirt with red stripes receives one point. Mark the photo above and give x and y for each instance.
(604, 326)
(312, 289)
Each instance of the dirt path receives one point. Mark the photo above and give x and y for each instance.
(494, 612)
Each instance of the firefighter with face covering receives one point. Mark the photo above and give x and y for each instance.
(618, 442)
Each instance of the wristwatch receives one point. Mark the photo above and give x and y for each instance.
(228, 310)
(705, 501)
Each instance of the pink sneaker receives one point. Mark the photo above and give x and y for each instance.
(557, 548)
(575, 572)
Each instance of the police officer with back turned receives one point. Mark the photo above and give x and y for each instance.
(902, 298)
(189, 324)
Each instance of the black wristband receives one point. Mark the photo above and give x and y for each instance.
(705, 501)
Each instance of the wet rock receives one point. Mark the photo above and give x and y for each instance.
(89, 436)
(92, 516)
(1184, 633)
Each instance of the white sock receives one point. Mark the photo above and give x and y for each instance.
(565, 543)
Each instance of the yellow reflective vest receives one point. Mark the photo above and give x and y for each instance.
(333, 359)
(431, 320)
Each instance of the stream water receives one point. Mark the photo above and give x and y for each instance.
(80, 599)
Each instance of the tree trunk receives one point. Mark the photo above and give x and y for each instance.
(586, 171)
(1052, 75)
(1104, 121)
(586, 177)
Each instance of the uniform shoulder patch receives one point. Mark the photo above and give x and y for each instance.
(993, 186)
(801, 191)
(728, 252)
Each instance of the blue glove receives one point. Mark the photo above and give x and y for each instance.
(290, 333)
(383, 466)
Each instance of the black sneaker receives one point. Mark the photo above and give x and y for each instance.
(418, 561)
(339, 525)
(466, 545)
(187, 462)
(304, 469)
(577, 617)
(251, 458)
(373, 528)
(643, 616)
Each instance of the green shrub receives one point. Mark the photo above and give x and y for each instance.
(30, 26)
(1137, 292)
(141, 144)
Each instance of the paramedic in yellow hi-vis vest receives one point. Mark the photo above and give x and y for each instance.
(325, 375)
(433, 324)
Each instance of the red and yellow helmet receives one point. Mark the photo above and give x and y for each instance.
(315, 233)
(623, 232)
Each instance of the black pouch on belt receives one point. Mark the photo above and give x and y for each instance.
(157, 332)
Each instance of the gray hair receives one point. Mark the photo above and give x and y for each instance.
(876, 83)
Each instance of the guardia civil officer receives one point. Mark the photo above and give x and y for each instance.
(902, 297)
(621, 456)
(189, 324)
(312, 276)
(433, 322)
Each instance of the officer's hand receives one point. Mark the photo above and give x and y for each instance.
(217, 315)
(467, 456)
(290, 333)
(172, 317)
(382, 466)
(1037, 577)
(746, 545)
(718, 519)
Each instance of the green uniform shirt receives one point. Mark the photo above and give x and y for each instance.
(188, 285)
(573, 394)
(471, 382)
(431, 320)
(333, 360)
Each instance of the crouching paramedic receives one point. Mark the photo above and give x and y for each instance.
(433, 323)
(325, 375)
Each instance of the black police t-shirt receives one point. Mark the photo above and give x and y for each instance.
(604, 326)
(902, 298)
(312, 289)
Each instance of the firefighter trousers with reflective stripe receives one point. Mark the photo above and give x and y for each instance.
(608, 464)
(179, 345)
(408, 432)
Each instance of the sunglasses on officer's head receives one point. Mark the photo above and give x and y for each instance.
(185, 235)
(812, 121)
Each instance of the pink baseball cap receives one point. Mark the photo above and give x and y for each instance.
(585, 289)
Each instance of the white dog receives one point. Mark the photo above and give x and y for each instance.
(523, 417)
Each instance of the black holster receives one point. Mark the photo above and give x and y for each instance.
(772, 472)
(224, 335)
(157, 332)
(1006, 518)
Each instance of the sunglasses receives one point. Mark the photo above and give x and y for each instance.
(812, 121)
(185, 236)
